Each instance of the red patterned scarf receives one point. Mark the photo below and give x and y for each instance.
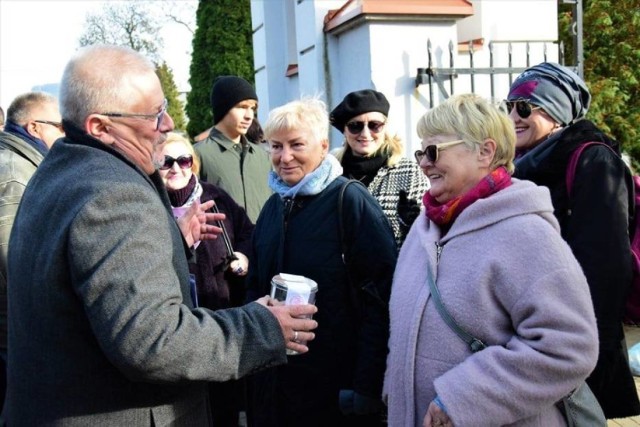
(444, 214)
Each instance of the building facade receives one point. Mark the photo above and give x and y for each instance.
(416, 52)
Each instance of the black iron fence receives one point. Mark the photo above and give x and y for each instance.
(447, 75)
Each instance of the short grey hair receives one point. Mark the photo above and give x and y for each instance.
(21, 109)
(310, 113)
(96, 78)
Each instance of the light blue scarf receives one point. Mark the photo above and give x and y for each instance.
(312, 183)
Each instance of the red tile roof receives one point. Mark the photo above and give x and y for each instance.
(353, 9)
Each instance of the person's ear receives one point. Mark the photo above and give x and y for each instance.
(325, 147)
(32, 129)
(487, 151)
(98, 127)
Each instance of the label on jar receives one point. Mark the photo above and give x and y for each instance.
(298, 289)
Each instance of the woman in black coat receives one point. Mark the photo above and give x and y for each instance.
(339, 381)
(547, 104)
(218, 277)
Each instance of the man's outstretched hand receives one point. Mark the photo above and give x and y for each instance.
(195, 224)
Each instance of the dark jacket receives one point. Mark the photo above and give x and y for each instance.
(18, 161)
(301, 236)
(102, 330)
(218, 287)
(595, 224)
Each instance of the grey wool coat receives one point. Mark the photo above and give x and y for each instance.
(505, 275)
(102, 331)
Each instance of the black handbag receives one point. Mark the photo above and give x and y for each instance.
(580, 407)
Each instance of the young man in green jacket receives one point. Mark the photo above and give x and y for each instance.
(229, 159)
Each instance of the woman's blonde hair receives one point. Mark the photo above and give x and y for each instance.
(176, 137)
(392, 147)
(473, 119)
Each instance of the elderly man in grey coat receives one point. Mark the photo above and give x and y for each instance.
(103, 330)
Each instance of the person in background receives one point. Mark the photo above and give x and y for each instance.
(547, 104)
(255, 133)
(229, 160)
(102, 327)
(34, 118)
(219, 274)
(202, 135)
(1, 119)
(375, 157)
(33, 125)
(492, 247)
(339, 382)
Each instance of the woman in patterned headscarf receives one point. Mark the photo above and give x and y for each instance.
(547, 104)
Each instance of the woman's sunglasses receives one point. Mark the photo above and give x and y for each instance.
(523, 108)
(356, 127)
(431, 151)
(185, 162)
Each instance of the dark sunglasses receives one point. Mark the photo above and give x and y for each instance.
(185, 162)
(356, 127)
(431, 151)
(523, 108)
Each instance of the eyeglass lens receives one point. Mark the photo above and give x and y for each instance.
(431, 151)
(161, 114)
(357, 126)
(185, 162)
(523, 108)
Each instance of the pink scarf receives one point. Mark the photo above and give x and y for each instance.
(444, 214)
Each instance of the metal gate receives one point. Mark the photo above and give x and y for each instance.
(440, 76)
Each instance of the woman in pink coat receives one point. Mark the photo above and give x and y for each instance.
(493, 247)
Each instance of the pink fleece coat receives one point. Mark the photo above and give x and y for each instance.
(508, 278)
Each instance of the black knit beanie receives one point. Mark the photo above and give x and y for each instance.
(226, 92)
(356, 103)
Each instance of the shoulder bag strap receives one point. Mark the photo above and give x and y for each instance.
(343, 243)
(474, 343)
(573, 163)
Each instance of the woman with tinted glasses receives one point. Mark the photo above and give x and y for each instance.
(221, 264)
(491, 246)
(374, 156)
(548, 104)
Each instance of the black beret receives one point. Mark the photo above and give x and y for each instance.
(356, 103)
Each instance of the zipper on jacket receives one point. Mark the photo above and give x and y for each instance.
(438, 252)
(243, 154)
(288, 207)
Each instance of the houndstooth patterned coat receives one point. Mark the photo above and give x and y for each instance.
(386, 185)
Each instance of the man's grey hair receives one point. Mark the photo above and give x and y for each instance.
(21, 109)
(96, 80)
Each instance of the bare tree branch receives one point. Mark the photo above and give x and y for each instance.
(183, 13)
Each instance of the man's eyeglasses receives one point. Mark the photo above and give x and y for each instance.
(356, 127)
(431, 151)
(50, 123)
(158, 116)
(185, 162)
(523, 108)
